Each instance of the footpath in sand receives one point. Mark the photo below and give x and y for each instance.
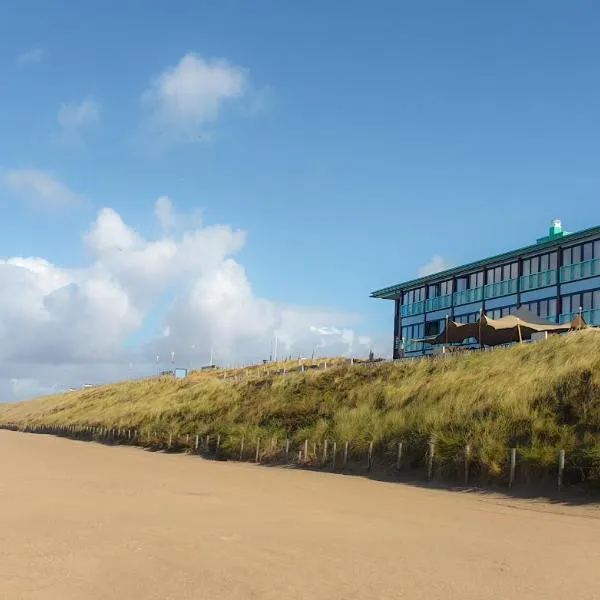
(83, 521)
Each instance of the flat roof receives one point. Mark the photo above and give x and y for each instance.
(390, 293)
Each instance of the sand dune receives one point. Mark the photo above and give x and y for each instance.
(84, 521)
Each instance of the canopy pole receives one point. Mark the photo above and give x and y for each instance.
(446, 331)
(480, 317)
(519, 328)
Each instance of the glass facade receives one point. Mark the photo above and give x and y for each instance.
(482, 287)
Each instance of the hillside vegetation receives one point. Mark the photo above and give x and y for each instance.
(539, 398)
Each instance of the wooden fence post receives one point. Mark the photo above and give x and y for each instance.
(345, 453)
(467, 458)
(305, 450)
(287, 448)
(370, 456)
(561, 469)
(257, 450)
(430, 459)
(218, 443)
(242, 448)
(399, 456)
(170, 439)
(513, 466)
(334, 454)
(197, 442)
(325, 451)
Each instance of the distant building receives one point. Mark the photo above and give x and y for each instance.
(554, 278)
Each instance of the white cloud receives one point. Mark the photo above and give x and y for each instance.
(31, 57)
(74, 119)
(41, 187)
(65, 327)
(435, 265)
(77, 114)
(185, 98)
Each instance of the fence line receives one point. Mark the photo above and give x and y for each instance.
(358, 457)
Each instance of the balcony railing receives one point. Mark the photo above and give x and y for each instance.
(588, 268)
(438, 303)
(413, 346)
(468, 296)
(591, 317)
(502, 288)
(537, 280)
(407, 310)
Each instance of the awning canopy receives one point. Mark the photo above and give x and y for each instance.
(493, 332)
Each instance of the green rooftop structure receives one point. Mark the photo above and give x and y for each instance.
(555, 278)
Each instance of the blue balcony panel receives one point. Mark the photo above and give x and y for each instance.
(413, 320)
(500, 302)
(467, 309)
(541, 294)
(438, 314)
(580, 286)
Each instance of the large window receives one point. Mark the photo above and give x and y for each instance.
(434, 327)
(470, 318)
(412, 332)
(476, 280)
(446, 287)
(540, 264)
(502, 273)
(584, 300)
(543, 308)
(412, 296)
(581, 252)
(498, 313)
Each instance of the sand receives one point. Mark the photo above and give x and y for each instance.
(84, 521)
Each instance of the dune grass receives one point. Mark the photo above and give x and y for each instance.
(539, 398)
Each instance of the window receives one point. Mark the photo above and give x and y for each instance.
(432, 291)
(539, 264)
(581, 252)
(503, 273)
(412, 296)
(461, 284)
(412, 332)
(446, 287)
(476, 280)
(433, 328)
(585, 301)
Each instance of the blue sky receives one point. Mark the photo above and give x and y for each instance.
(366, 136)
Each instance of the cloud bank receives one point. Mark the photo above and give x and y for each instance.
(139, 298)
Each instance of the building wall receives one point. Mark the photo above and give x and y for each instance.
(571, 277)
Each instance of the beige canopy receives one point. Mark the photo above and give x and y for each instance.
(512, 328)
